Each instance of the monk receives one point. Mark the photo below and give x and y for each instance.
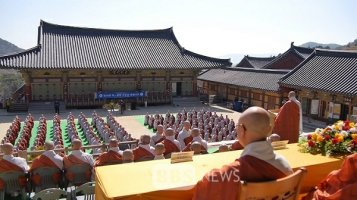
(184, 137)
(144, 151)
(11, 163)
(113, 156)
(288, 122)
(196, 137)
(159, 151)
(158, 137)
(128, 156)
(339, 184)
(257, 163)
(77, 156)
(196, 147)
(223, 148)
(171, 145)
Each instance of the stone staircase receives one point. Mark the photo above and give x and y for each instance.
(186, 101)
(47, 106)
(18, 107)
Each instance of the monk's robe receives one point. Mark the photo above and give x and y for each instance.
(6, 166)
(43, 161)
(140, 153)
(160, 140)
(170, 147)
(108, 158)
(340, 184)
(187, 140)
(223, 183)
(236, 146)
(71, 160)
(287, 122)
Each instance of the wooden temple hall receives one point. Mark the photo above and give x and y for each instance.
(88, 66)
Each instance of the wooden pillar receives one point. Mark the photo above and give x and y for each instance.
(27, 87)
(65, 86)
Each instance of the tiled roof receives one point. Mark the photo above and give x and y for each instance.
(301, 53)
(254, 62)
(263, 79)
(66, 47)
(326, 70)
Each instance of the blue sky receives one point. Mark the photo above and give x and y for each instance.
(210, 27)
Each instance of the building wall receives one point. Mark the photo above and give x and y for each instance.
(75, 86)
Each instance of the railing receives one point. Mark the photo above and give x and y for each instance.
(66, 150)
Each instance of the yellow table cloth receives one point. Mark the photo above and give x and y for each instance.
(159, 179)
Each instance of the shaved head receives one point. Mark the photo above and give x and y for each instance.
(291, 94)
(145, 139)
(195, 132)
(113, 143)
(255, 123)
(169, 132)
(7, 148)
(76, 144)
(128, 156)
(49, 145)
(196, 147)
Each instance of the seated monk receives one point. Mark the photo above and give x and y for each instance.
(288, 122)
(113, 156)
(196, 137)
(11, 163)
(184, 136)
(257, 163)
(144, 151)
(339, 184)
(171, 145)
(128, 156)
(159, 151)
(77, 156)
(158, 137)
(49, 158)
(223, 148)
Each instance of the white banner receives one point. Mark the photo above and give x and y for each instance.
(314, 107)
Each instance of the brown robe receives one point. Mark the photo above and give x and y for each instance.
(223, 183)
(188, 148)
(6, 166)
(187, 140)
(339, 184)
(287, 122)
(71, 160)
(43, 161)
(170, 147)
(140, 153)
(108, 158)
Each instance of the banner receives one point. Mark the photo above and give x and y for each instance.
(120, 95)
(314, 107)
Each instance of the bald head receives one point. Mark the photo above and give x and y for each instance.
(7, 148)
(49, 145)
(196, 147)
(255, 123)
(187, 125)
(291, 94)
(145, 139)
(195, 132)
(223, 148)
(159, 149)
(76, 144)
(128, 156)
(169, 132)
(160, 129)
(113, 143)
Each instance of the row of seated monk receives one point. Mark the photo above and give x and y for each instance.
(257, 163)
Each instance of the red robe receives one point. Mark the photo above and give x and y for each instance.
(223, 183)
(71, 160)
(140, 153)
(188, 148)
(187, 140)
(170, 147)
(287, 122)
(43, 161)
(108, 158)
(6, 166)
(339, 184)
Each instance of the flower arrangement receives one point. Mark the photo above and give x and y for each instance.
(337, 139)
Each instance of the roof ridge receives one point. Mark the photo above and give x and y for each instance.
(335, 52)
(257, 70)
(207, 57)
(35, 48)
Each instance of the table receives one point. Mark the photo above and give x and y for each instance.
(158, 179)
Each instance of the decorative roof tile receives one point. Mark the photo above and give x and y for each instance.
(66, 47)
(331, 71)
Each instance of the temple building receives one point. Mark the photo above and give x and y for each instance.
(254, 62)
(326, 84)
(80, 66)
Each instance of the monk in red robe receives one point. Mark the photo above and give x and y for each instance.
(48, 159)
(144, 151)
(76, 157)
(288, 122)
(184, 137)
(257, 163)
(196, 137)
(113, 156)
(339, 184)
(170, 143)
